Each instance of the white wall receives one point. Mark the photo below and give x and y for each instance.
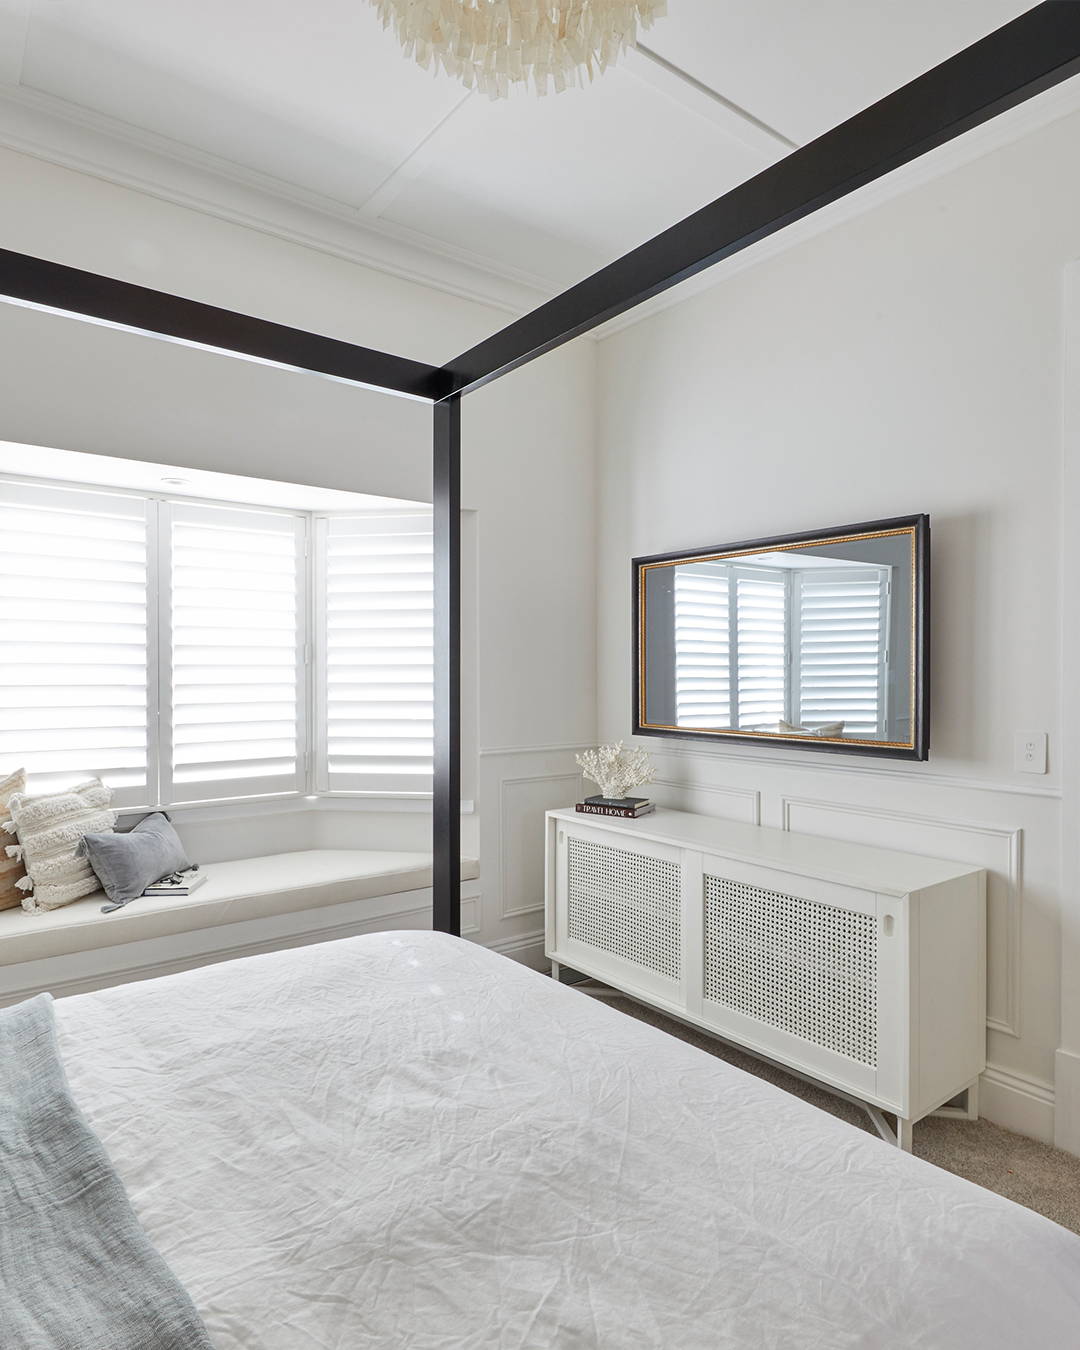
(910, 359)
(527, 477)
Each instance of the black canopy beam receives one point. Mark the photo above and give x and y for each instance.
(40, 284)
(1034, 52)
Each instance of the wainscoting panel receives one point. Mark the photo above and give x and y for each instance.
(522, 804)
(472, 907)
(517, 785)
(731, 803)
(996, 849)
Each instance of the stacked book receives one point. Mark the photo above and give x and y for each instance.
(629, 808)
(178, 883)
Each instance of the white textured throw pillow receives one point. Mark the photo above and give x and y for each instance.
(50, 829)
(11, 869)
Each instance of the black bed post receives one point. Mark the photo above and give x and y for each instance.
(446, 803)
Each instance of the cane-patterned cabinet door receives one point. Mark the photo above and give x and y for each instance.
(799, 966)
(619, 908)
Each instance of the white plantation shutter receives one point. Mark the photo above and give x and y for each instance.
(74, 658)
(843, 623)
(761, 618)
(703, 645)
(378, 652)
(234, 696)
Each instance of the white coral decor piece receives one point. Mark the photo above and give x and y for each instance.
(614, 770)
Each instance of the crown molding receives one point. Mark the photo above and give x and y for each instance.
(66, 134)
(73, 137)
(1000, 131)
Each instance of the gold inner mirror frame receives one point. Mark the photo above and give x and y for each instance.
(646, 568)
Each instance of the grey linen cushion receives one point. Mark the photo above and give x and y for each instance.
(127, 863)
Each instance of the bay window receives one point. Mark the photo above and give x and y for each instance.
(186, 651)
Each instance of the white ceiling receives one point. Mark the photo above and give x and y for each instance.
(311, 112)
(167, 480)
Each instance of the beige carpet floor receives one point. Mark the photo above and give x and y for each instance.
(1032, 1174)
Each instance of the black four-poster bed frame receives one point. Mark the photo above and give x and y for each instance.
(1033, 53)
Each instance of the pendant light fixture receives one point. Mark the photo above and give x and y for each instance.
(492, 45)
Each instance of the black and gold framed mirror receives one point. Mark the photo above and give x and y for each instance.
(817, 640)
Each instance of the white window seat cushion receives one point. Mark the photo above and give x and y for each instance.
(250, 888)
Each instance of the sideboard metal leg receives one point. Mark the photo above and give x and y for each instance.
(905, 1130)
(555, 971)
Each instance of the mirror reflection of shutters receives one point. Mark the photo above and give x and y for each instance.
(703, 643)
(841, 649)
(761, 605)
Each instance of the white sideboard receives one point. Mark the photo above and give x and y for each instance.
(860, 968)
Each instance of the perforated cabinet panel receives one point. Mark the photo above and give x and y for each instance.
(808, 968)
(625, 904)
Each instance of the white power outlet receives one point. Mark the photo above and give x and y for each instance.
(1029, 751)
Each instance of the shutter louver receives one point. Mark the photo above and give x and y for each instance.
(73, 638)
(842, 630)
(378, 639)
(703, 646)
(236, 672)
(761, 618)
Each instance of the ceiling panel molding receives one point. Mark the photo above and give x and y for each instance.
(51, 129)
(1001, 131)
(418, 162)
(656, 70)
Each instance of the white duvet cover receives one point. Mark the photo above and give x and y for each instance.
(406, 1141)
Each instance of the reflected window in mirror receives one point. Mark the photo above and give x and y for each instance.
(817, 639)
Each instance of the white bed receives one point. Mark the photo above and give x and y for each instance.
(406, 1141)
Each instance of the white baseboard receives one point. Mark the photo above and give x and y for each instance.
(1017, 1102)
(528, 948)
(1067, 1090)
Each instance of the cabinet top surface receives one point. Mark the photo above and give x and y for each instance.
(883, 870)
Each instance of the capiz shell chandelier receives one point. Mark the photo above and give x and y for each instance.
(492, 44)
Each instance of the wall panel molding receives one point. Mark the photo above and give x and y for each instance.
(915, 777)
(745, 801)
(522, 803)
(998, 849)
(472, 908)
(536, 749)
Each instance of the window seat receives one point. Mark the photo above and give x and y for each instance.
(250, 888)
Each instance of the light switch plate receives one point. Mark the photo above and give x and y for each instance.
(1029, 751)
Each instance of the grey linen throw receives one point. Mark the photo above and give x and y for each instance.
(76, 1270)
